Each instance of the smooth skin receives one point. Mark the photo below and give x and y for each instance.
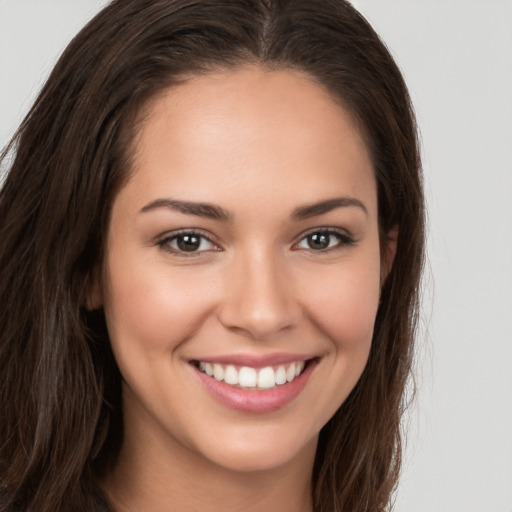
(261, 273)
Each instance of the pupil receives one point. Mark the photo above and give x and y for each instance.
(318, 241)
(188, 243)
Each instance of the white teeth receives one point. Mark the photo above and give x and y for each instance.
(231, 375)
(290, 373)
(280, 375)
(247, 377)
(266, 378)
(218, 372)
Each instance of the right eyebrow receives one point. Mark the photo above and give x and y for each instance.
(207, 210)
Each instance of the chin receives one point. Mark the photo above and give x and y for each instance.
(260, 452)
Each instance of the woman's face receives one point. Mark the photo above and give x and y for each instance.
(242, 271)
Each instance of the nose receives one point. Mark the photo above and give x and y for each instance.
(260, 300)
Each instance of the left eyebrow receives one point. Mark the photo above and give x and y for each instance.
(312, 210)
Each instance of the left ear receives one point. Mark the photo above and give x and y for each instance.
(387, 253)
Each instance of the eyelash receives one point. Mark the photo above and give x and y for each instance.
(343, 240)
(165, 243)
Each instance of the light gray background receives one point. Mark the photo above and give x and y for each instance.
(457, 58)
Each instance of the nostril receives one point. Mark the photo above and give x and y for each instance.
(258, 319)
(258, 300)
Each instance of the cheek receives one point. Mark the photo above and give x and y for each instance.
(150, 309)
(344, 305)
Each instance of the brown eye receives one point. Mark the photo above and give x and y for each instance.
(187, 243)
(324, 240)
(319, 241)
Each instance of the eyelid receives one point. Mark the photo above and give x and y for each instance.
(164, 240)
(345, 238)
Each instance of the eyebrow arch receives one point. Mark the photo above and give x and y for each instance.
(207, 210)
(312, 210)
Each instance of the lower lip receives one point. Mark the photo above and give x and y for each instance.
(256, 401)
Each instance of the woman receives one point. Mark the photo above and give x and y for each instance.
(212, 238)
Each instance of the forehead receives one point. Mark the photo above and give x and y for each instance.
(249, 129)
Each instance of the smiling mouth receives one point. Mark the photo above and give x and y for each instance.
(246, 377)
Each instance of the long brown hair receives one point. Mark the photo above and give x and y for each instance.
(60, 388)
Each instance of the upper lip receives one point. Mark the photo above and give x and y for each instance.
(255, 361)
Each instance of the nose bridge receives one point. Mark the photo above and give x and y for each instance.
(259, 298)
